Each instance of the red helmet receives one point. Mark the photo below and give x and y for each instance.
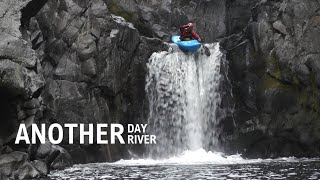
(190, 25)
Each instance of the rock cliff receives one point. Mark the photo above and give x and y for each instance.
(84, 61)
(275, 78)
(68, 62)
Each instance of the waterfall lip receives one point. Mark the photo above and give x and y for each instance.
(173, 48)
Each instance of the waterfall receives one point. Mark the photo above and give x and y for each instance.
(183, 95)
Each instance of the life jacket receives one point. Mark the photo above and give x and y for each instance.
(187, 33)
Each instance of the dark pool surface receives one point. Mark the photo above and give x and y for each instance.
(269, 169)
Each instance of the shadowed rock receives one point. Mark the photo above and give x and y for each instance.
(274, 72)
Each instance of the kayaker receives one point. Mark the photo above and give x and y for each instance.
(187, 33)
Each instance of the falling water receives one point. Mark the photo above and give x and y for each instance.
(182, 91)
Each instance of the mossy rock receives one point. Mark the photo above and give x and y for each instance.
(309, 96)
(115, 9)
(133, 18)
(268, 82)
(273, 65)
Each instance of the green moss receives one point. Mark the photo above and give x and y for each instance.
(118, 11)
(308, 96)
(314, 93)
(275, 66)
(257, 62)
(269, 82)
(303, 98)
(115, 9)
(296, 81)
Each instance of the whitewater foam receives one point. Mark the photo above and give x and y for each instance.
(197, 164)
(202, 157)
(189, 157)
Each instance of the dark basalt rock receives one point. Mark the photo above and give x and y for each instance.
(62, 160)
(273, 69)
(16, 165)
(68, 68)
(161, 19)
(41, 166)
(26, 171)
(84, 61)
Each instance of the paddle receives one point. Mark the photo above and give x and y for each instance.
(206, 50)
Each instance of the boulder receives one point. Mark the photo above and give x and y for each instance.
(63, 160)
(280, 27)
(5, 150)
(89, 67)
(41, 166)
(11, 162)
(32, 104)
(19, 79)
(43, 150)
(26, 171)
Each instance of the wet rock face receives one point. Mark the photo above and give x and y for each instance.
(162, 19)
(238, 14)
(19, 80)
(68, 61)
(94, 67)
(9, 115)
(273, 65)
(16, 55)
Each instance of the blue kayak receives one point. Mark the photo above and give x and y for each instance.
(188, 46)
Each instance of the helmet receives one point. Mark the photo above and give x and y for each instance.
(190, 25)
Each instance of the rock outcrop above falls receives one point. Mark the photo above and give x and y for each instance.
(213, 19)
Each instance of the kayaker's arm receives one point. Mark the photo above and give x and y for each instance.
(195, 36)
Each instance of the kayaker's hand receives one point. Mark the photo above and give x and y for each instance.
(199, 39)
